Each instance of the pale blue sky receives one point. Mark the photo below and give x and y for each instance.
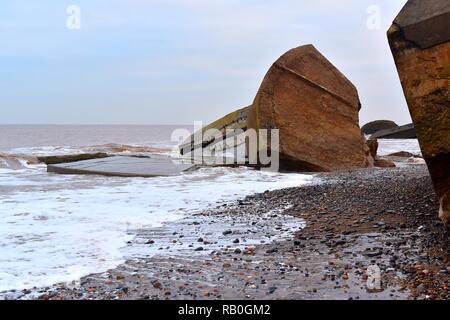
(176, 61)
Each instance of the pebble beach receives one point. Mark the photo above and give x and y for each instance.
(324, 237)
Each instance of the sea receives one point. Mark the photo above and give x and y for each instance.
(59, 228)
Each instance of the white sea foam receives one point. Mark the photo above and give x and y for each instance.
(56, 228)
(389, 146)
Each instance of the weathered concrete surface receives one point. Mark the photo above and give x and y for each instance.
(233, 121)
(123, 167)
(72, 158)
(420, 43)
(221, 143)
(378, 125)
(403, 132)
(425, 23)
(315, 107)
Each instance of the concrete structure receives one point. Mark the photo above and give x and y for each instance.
(420, 42)
(403, 132)
(123, 167)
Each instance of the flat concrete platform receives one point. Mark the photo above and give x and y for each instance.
(120, 166)
(404, 132)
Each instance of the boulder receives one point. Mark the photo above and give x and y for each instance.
(316, 109)
(373, 147)
(384, 163)
(420, 42)
(378, 125)
(402, 154)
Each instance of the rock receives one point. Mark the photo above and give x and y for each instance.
(205, 294)
(420, 42)
(401, 154)
(383, 163)
(72, 158)
(373, 147)
(314, 107)
(373, 253)
(378, 125)
(316, 111)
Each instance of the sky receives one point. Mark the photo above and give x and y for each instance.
(179, 61)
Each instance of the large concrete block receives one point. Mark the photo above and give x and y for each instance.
(420, 43)
(316, 110)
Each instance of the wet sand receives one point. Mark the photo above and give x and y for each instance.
(354, 221)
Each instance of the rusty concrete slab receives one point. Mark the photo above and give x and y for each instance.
(122, 166)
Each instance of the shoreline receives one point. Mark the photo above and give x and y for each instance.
(354, 220)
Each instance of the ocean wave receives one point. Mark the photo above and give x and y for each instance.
(58, 228)
(389, 146)
(22, 158)
(17, 161)
(115, 148)
(110, 148)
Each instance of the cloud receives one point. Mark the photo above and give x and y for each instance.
(164, 54)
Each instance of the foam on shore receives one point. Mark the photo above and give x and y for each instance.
(57, 228)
